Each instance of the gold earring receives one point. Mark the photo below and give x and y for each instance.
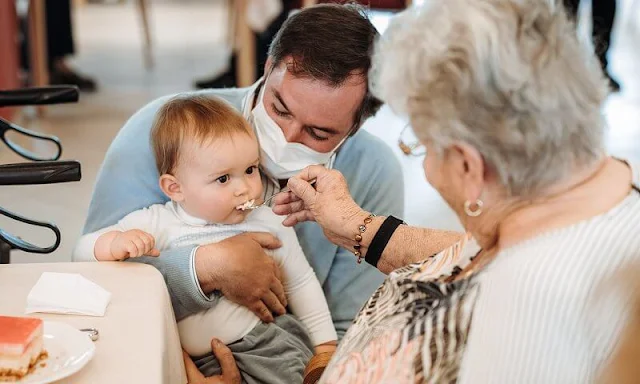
(469, 211)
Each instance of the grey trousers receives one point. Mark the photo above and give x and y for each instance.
(275, 353)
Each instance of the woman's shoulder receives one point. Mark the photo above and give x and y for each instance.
(569, 264)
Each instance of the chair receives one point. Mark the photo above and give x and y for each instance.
(143, 11)
(43, 170)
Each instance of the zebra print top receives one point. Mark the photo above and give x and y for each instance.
(414, 327)
(535, 320)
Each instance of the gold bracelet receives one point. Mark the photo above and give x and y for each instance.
(361, 229)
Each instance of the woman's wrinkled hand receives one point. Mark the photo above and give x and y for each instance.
(328, 203)
(230, 373)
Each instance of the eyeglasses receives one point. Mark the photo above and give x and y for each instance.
(409, 144)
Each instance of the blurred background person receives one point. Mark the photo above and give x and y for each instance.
(229, 78)
(603, 13)
(60, 45)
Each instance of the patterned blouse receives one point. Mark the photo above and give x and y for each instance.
(550, 310)
(414, 327)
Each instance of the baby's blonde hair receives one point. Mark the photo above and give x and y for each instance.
(192, 117)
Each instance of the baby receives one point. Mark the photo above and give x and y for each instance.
(207, 156)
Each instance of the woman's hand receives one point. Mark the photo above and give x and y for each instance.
(229, 375)
(329, 204)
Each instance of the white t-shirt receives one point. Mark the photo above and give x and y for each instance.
(172, 227)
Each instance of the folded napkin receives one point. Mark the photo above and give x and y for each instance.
(68, 293)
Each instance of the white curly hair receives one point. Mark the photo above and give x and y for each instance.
(509, 77)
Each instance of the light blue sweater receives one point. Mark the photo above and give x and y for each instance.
(128, 181)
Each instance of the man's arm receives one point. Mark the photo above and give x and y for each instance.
(128, 181)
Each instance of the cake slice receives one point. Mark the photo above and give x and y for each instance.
(21, 346)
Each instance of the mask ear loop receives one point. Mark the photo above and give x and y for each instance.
(352, 132)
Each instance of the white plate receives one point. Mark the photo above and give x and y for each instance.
(69, 350)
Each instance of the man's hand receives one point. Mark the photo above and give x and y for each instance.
(240, 269)
(229, 375)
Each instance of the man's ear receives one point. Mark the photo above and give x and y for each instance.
(267, 66)
(171, 187)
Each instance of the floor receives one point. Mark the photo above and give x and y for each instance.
(189, 41)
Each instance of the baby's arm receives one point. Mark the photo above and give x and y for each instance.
(118, 245)
(305, 294)
(133, 236)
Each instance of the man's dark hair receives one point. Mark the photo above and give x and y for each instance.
(330, 43)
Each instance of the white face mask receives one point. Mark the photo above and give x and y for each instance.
(280, 158)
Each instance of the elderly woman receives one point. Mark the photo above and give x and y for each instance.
(506, 105)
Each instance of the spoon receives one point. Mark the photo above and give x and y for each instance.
(286, 189)
(92, 333)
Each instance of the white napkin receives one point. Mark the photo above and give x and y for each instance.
(67, 293)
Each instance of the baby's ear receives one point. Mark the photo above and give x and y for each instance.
(171, 187)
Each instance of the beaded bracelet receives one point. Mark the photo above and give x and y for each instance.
(361, 229)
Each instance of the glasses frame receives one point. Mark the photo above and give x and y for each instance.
(415, 149)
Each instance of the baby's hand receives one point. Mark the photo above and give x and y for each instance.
(133, 243)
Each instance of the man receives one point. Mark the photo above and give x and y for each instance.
(603, 13)
(310, 105)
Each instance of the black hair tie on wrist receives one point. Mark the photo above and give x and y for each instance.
(381, 239)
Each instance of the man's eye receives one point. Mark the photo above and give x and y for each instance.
(251, 169)
(223, 179)
(314, 134)
(279, 112)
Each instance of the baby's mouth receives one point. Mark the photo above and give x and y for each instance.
(247, 205)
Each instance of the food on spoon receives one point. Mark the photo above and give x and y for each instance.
(246, 205)
(21, 346)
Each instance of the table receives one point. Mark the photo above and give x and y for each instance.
(139, 340)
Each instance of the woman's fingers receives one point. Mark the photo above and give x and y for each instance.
(298, 217)
(313, 172)
(283, 198)
(302, 189)
(289, 208)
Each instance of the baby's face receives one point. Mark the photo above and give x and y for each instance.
(217, 177)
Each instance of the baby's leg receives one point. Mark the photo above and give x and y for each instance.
(274, 353)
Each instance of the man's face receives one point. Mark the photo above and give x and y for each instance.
(311, 112)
